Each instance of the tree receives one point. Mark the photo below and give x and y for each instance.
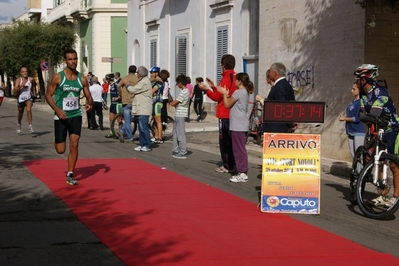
(378, 6)
(27, 44)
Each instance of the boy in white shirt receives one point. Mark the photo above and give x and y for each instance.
(179, 145)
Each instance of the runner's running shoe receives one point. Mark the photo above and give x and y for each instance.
(70, 179)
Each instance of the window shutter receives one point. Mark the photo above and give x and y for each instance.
(153, 53)
(181, 55)
(221, 49)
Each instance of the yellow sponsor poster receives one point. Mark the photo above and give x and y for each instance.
(291, 173)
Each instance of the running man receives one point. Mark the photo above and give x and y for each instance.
(66, 85)
(25, 87)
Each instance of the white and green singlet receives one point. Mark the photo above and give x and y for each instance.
(67, 96)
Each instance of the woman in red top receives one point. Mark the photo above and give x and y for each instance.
(105, 89)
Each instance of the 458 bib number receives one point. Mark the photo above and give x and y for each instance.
(69, 104)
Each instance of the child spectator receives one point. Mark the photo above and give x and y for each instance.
(239, 122)
(179, 146)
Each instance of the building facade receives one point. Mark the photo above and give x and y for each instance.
(189, 37)
(100, 27)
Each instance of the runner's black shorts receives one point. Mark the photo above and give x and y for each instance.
(63, 126)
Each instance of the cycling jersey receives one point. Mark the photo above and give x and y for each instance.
(378, 102)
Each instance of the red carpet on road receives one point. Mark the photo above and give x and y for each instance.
(152, 216)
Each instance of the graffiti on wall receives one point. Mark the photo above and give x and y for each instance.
(301, 79)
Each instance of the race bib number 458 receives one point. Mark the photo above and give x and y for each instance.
(69, 104)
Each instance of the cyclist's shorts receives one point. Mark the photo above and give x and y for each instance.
(63, 126)
(112, 108)
(157, 109)
(391, 138)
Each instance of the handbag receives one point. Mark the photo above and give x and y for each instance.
(105, 107)
(170, 98)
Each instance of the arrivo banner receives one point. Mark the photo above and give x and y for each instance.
(291, 173)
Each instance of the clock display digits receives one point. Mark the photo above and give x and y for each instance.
(293, 111)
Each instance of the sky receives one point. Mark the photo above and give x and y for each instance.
(11, 9)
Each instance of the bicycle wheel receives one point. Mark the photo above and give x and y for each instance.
(366, 191)
(118, 122)
(167, 129)
(255, 126)
(357, 166)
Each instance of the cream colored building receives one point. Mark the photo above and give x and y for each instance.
(100, 29)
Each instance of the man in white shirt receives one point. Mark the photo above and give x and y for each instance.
(96, 93)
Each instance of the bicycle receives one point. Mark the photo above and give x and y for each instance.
(167, 127)
(255, 123)
(362, 155)
(376, 177)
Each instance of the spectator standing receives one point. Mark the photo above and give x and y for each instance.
(115, 99)
(96, 94)
(190, 89)
(179, 144)
(117, 77)
(268, 81)
(105, 87)
(25, 87)
(157, 92)
(142, 107)
(198, 96)
(222, 113)
(239, 122)
(89, 77)
(164, 75)
(354, 128)
(127, 99)
(281, 91)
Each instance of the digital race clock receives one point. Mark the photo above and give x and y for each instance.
(293, 111)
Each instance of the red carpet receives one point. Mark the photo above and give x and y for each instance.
(151, 216)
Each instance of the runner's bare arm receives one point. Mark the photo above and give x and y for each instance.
(86, 91)
(55, 81)
(17, 86)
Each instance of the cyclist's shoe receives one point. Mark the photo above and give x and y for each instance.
(153, 139)
(18, 128)
(110, 136)
(70, 180)
(379, 201)
(30, 129)
(390, 202)
(240, 177)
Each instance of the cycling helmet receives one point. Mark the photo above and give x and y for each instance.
(367, 71)
(155, 69)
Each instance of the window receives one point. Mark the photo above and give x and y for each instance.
(153, 53)
(181, 55)
(221, 49)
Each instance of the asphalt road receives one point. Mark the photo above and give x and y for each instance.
(36, 228)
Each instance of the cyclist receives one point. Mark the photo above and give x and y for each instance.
(157, 92)
(378, 102)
